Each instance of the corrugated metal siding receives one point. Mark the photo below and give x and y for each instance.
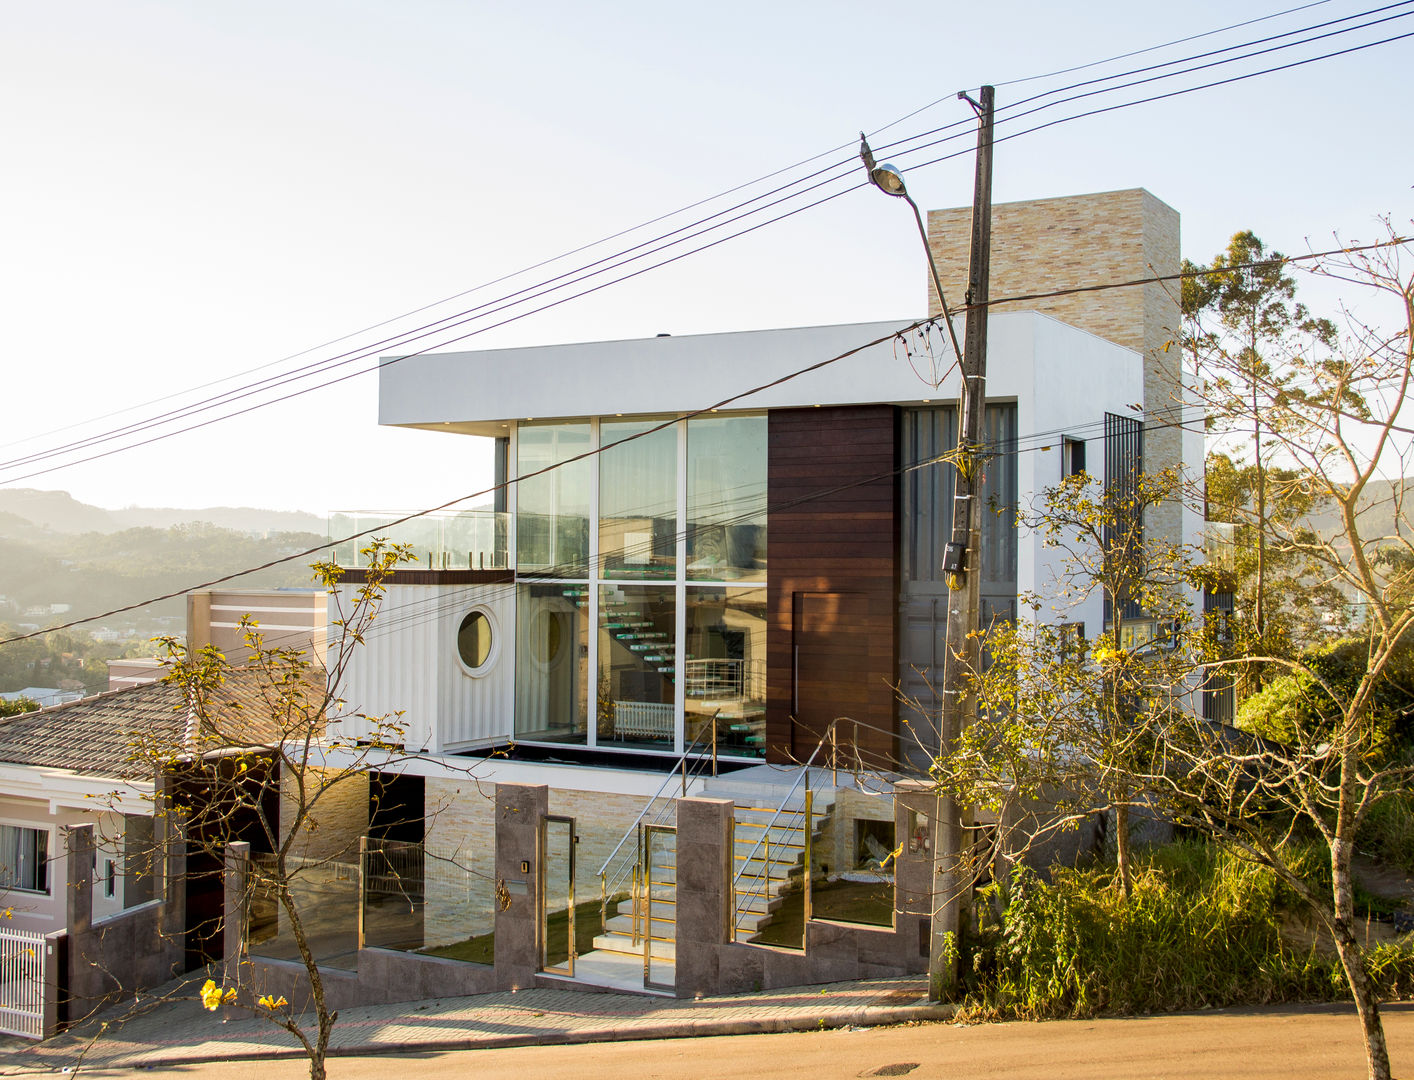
(409, 662)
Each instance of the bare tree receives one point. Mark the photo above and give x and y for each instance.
(1338, 419)
(262, 763)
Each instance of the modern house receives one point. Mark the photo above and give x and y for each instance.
(737, 538)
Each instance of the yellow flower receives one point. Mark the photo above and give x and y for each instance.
(272, 1003)
(211, 995)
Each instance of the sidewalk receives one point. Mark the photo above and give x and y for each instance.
(182, 1032)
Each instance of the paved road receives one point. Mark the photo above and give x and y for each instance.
(1309, 1043)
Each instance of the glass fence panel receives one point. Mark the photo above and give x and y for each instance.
(467, 540)
(557, 891)
(852, 876)
(325, 897)
(428, 899)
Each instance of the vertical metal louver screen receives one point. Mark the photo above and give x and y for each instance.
(1124, 464)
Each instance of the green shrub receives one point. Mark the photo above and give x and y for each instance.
(1388, 831)
(1202, 928)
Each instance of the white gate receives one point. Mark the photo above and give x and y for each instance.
(22, 983)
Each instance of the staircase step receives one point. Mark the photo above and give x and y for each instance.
(663, 929)
(623, 943)
(663, 907)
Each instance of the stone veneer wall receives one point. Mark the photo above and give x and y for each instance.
(461, 827)
(335, 822)
(1076, 240)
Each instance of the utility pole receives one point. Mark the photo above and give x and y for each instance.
(962, 562)
(962, 557)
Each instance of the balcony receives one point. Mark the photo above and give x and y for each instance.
(443, 540)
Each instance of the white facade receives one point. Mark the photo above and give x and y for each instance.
(1061, 380)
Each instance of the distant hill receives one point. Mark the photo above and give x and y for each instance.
(1383, 510)
(27, 514)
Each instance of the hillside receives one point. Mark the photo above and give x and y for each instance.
(28, 513)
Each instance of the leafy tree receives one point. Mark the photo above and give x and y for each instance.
(1296, 705)
(1068, 725)
(15, 706)
(1241, 320)
(1336, 418)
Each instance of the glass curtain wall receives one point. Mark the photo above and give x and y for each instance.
(726, 498)
(638, 499)
(552, 509)
(672, 582)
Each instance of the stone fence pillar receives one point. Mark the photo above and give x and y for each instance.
(704, 889)
(520, 808)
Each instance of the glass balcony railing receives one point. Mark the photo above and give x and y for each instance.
(446, 540)
(1220, 545)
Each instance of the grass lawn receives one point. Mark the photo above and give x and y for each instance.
(869, 902)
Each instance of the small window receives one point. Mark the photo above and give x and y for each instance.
(474, 640)
(110, 878)
(24, 858)
(1072, 457)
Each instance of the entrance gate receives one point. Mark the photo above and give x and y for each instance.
(558, 947)
(22, 983)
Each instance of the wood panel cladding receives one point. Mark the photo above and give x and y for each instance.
(832, 586)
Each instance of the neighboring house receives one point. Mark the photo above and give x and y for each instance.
(285, 618)
(67, 765)
(43, 696)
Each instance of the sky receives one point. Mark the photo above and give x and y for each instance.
(193, 191)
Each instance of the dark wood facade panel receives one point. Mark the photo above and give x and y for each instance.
(832, 592)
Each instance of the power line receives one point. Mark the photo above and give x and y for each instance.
(1165, 45)
(1014, 116)
(503, 302)
(1179, 93)
(909, 328)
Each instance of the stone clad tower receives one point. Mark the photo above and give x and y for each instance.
(1081, 240)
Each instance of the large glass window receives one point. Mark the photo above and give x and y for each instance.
(552, 662)
(726, 498)
(552, 510)
(24, 858)
(637, 665)
(638, 499)
(725, 669)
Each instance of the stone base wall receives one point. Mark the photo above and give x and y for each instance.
(383, 976)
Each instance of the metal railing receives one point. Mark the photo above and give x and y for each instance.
(748, 884)
(622, 870)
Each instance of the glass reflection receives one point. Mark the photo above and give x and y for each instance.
(638, 485)
(725, 669)
(637, 663)
(726, 498)
(552, 662)
(552, 509)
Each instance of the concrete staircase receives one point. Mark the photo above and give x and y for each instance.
(768, 861)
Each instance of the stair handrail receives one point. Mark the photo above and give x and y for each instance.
(679, 773)
(830, 737)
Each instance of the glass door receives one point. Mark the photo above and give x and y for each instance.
(557, 842)
(660, 849)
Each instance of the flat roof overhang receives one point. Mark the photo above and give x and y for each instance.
(484, 392)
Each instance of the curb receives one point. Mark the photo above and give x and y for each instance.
(865, 1016)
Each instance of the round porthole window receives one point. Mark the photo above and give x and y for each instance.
(474, 640)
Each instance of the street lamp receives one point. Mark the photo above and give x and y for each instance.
(888, 179)
(962, 555)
